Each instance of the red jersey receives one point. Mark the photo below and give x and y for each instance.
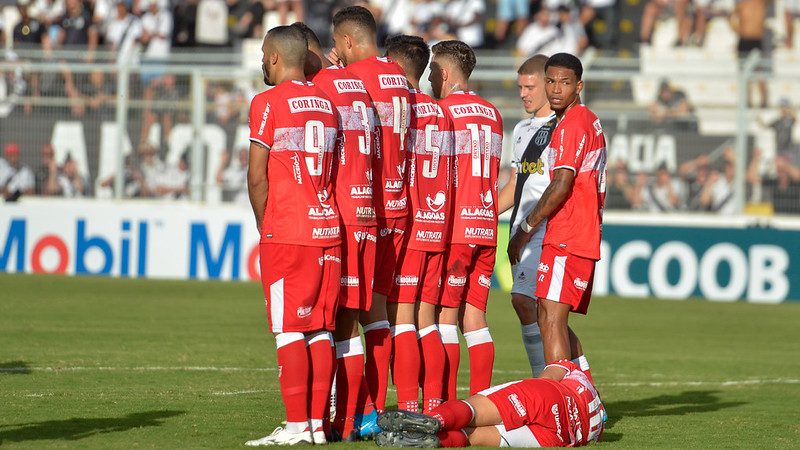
(578, 144)
(478, 146)
(430, 146)
(358, 124)
(583, 404)
(387, 85)
(297, 122)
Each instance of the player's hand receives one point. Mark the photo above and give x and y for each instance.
(333, 57)
(516, 244)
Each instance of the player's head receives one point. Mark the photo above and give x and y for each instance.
(284, 47)
(354, 29)
(530, 80)
(451, 66)
(562, 79)
(411, 52)
(314, 56)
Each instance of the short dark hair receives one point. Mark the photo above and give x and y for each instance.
(459, 53)
(311, 37)
(566, 61)
(358, 16)
(291, 43)
(533, 65)
(412, 50)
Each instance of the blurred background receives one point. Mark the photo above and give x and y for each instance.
(148, 99)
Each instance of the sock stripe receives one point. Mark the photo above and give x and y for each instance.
(449, 333)
(317, 337)
(284, 339)
(350, 347)
(402, 328)
(478, 337)
(427, 330)
(376, 326)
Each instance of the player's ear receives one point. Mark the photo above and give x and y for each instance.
(273, 58)
(579, 87)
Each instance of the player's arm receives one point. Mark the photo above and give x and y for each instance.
(257, 183)
(505, 199)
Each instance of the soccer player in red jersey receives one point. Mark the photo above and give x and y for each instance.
(559, 409)
(353, 193)
(293, 135)
(478, 142)
(354, 34)
(573, 207)
(417, 281)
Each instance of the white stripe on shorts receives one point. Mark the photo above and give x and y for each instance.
(276, 305)
(521, 437)
(557, 279)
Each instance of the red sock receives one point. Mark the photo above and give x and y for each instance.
(293, 375)
(405, 366)
(452, 351)
(432, 368)
(376, 368)
(481, 359)
(320, 350)
(455, 438)
(351, 388)
(454, 414)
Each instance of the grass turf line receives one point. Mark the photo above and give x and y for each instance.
(165, 346)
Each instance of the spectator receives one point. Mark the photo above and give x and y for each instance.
(46, 174)
(49, 13)
(123, 31)
(599, 18)
(29, 33)
(295, 6)
(167, 93)
(185, 14)
(664, 194)
(466, 20)
(151, 168)
(16, 179)
(791, 11)
(539, 36)
(250, 25)
(508, 12)
(71, 182)
(783, 126)
(670, 104)
(233, 177)
(77, 30)
(425, 12)
(695, 174)
(620, 192)
(174, 180)
(784, 188)
(133, 181)
(654, 8)
(392, 16)
(156, 36)
(572, 36)
(749, 22)
(717, 195)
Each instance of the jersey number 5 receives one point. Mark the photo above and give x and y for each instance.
(480, 160)
(430, 168)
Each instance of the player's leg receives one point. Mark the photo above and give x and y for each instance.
(432, 355)
(524, 302)
(322, 368)
(457, 264)
(476, 331)
(401, 309)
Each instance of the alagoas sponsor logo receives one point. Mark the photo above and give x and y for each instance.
(392, 81)
(325, 233)
(476, 232)
(555, 411)
(343, 86)
(477, 213)
(429, 236)
(580, 284)
(324, 258)
(473, 109)
(320, 213)
(406, 280)
(429, 216)
(303, 104)
(363, 235)
(361, 192)
(426, 109)
(518, 406)
(303, 312)
(394, 185)
(484, 281)
(396, 204)
(365, 211)
(349, 281)
(455, 281)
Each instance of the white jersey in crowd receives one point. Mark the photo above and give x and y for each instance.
(530, 140)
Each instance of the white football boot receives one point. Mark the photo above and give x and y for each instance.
(283, 437)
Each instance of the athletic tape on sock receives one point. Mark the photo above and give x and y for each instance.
(376, 326)
(478, 337)
(449, 333)
(284, 339)
(350, 347)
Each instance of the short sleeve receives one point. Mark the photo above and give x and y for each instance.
(261, 122)
(570, 148)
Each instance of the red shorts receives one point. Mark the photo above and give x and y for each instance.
(301, 285)
(468, 275)
(536, 403)
(565, 278)
(358, 266)
(391, 234)
(419, 277)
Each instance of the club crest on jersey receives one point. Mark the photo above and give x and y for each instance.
(471, 110)
(401, 169)
(343, 86)
(541, 137)
(392, 81)
(437, 202)
(311, 103)
(323, 196)
(369, 175)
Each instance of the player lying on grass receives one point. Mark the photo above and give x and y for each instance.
(559, 409)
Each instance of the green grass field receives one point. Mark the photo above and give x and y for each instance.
(108, 363)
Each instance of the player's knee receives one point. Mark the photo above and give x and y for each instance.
(474, 319)
(525, 308)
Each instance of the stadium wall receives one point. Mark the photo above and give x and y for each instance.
(671, 257)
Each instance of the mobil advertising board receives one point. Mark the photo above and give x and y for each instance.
(671, 257)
